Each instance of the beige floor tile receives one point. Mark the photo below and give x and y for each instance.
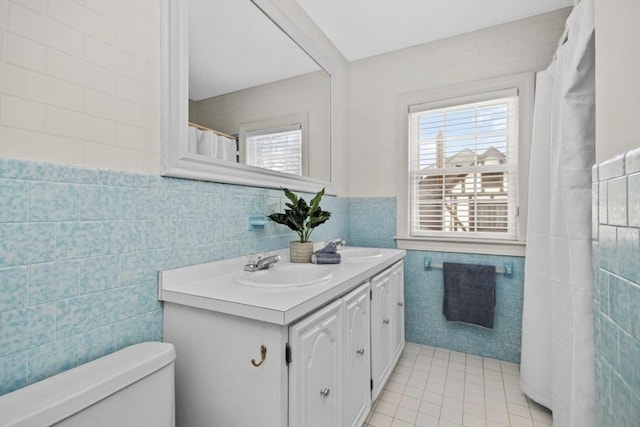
(426, 420)
(431, 397)
(437, 387)
(451, 415)
(391, 396)
(410, 403)
(414, 392)
(399, 423)
(380, 420)
(469, 420)
(446, 423)
(430, 409)
(406, 414)
(516, 421)
(519, 410)
(395, 386)
(417, 382)
(386, 408)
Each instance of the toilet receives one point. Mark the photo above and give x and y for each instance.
(133, 387)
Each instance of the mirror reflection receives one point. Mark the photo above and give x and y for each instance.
(255, 97)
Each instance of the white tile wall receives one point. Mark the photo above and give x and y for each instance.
(80, 83)
(375, 84)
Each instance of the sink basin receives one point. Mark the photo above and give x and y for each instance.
(356, 254)
(285, 276)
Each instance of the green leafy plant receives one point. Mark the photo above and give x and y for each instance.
(300, 216)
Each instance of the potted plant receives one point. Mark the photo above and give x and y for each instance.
(301, 218)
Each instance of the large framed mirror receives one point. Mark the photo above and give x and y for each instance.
(247, 98)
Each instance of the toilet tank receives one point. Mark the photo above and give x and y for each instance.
(133, 387)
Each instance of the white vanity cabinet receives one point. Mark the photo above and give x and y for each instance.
(357, 374)
(387, 324)
(317, 365)
(329, 371)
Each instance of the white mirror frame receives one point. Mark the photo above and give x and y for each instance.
(177, 161)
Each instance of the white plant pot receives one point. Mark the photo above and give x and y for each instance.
(300, 251)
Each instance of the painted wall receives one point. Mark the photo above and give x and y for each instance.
(309, 94)
(615, 213)
(80, 83)
(616, 244)
(82, 236)
(376, 83)
(374, 86)
(617, 83)
(80, 247)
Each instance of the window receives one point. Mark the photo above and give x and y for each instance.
(462, 168)
(279, 144)
(276, 149)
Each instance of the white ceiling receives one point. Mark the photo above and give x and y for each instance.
(363, 28)
(233, 45)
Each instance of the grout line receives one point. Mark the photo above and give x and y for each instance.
(500, 404)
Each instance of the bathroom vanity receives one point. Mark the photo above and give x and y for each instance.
(295, 345)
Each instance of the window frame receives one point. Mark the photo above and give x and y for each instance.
(270, 133)
(297, 119)
(456, 95)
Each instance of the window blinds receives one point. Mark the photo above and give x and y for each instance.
(463, 167)
(278, 149)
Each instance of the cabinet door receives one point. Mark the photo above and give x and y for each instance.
(397, 309)
(357, 375)
(380, 331)
(315, 371)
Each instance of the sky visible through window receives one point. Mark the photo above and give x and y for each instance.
(475, 127)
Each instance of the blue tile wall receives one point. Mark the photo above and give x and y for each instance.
(425, 323)
(373, 223)
(616, 248)
(80, 252)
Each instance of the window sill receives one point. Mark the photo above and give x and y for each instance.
(461, 245)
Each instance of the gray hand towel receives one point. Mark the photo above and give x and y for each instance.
(325, 258)
(469, 293)
(331, 248)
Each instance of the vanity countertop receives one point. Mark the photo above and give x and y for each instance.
(211, 286)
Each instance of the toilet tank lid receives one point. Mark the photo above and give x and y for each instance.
(56, 398)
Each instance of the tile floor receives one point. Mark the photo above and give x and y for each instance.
(442, 388)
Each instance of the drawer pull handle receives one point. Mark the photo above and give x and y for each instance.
(360, 351)
(263, 356)
(385, 321)
(400, 304)
(325, 392)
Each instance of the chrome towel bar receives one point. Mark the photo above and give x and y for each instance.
(507, 268)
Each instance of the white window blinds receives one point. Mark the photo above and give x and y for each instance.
(278, 149)
(463, 165)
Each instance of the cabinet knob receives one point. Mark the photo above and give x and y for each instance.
(325, 392)
(385, 321)
(400, 304)
(360, 351)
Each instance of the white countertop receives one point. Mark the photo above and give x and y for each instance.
(211, 286)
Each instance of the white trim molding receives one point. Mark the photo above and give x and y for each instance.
(524, 83)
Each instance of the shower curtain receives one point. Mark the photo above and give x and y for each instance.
(557, 322)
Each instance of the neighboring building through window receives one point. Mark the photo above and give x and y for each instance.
(462, 168)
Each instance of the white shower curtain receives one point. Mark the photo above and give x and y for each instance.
(557, 322)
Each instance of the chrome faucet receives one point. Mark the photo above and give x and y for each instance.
(338, 242)
(262, 263)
